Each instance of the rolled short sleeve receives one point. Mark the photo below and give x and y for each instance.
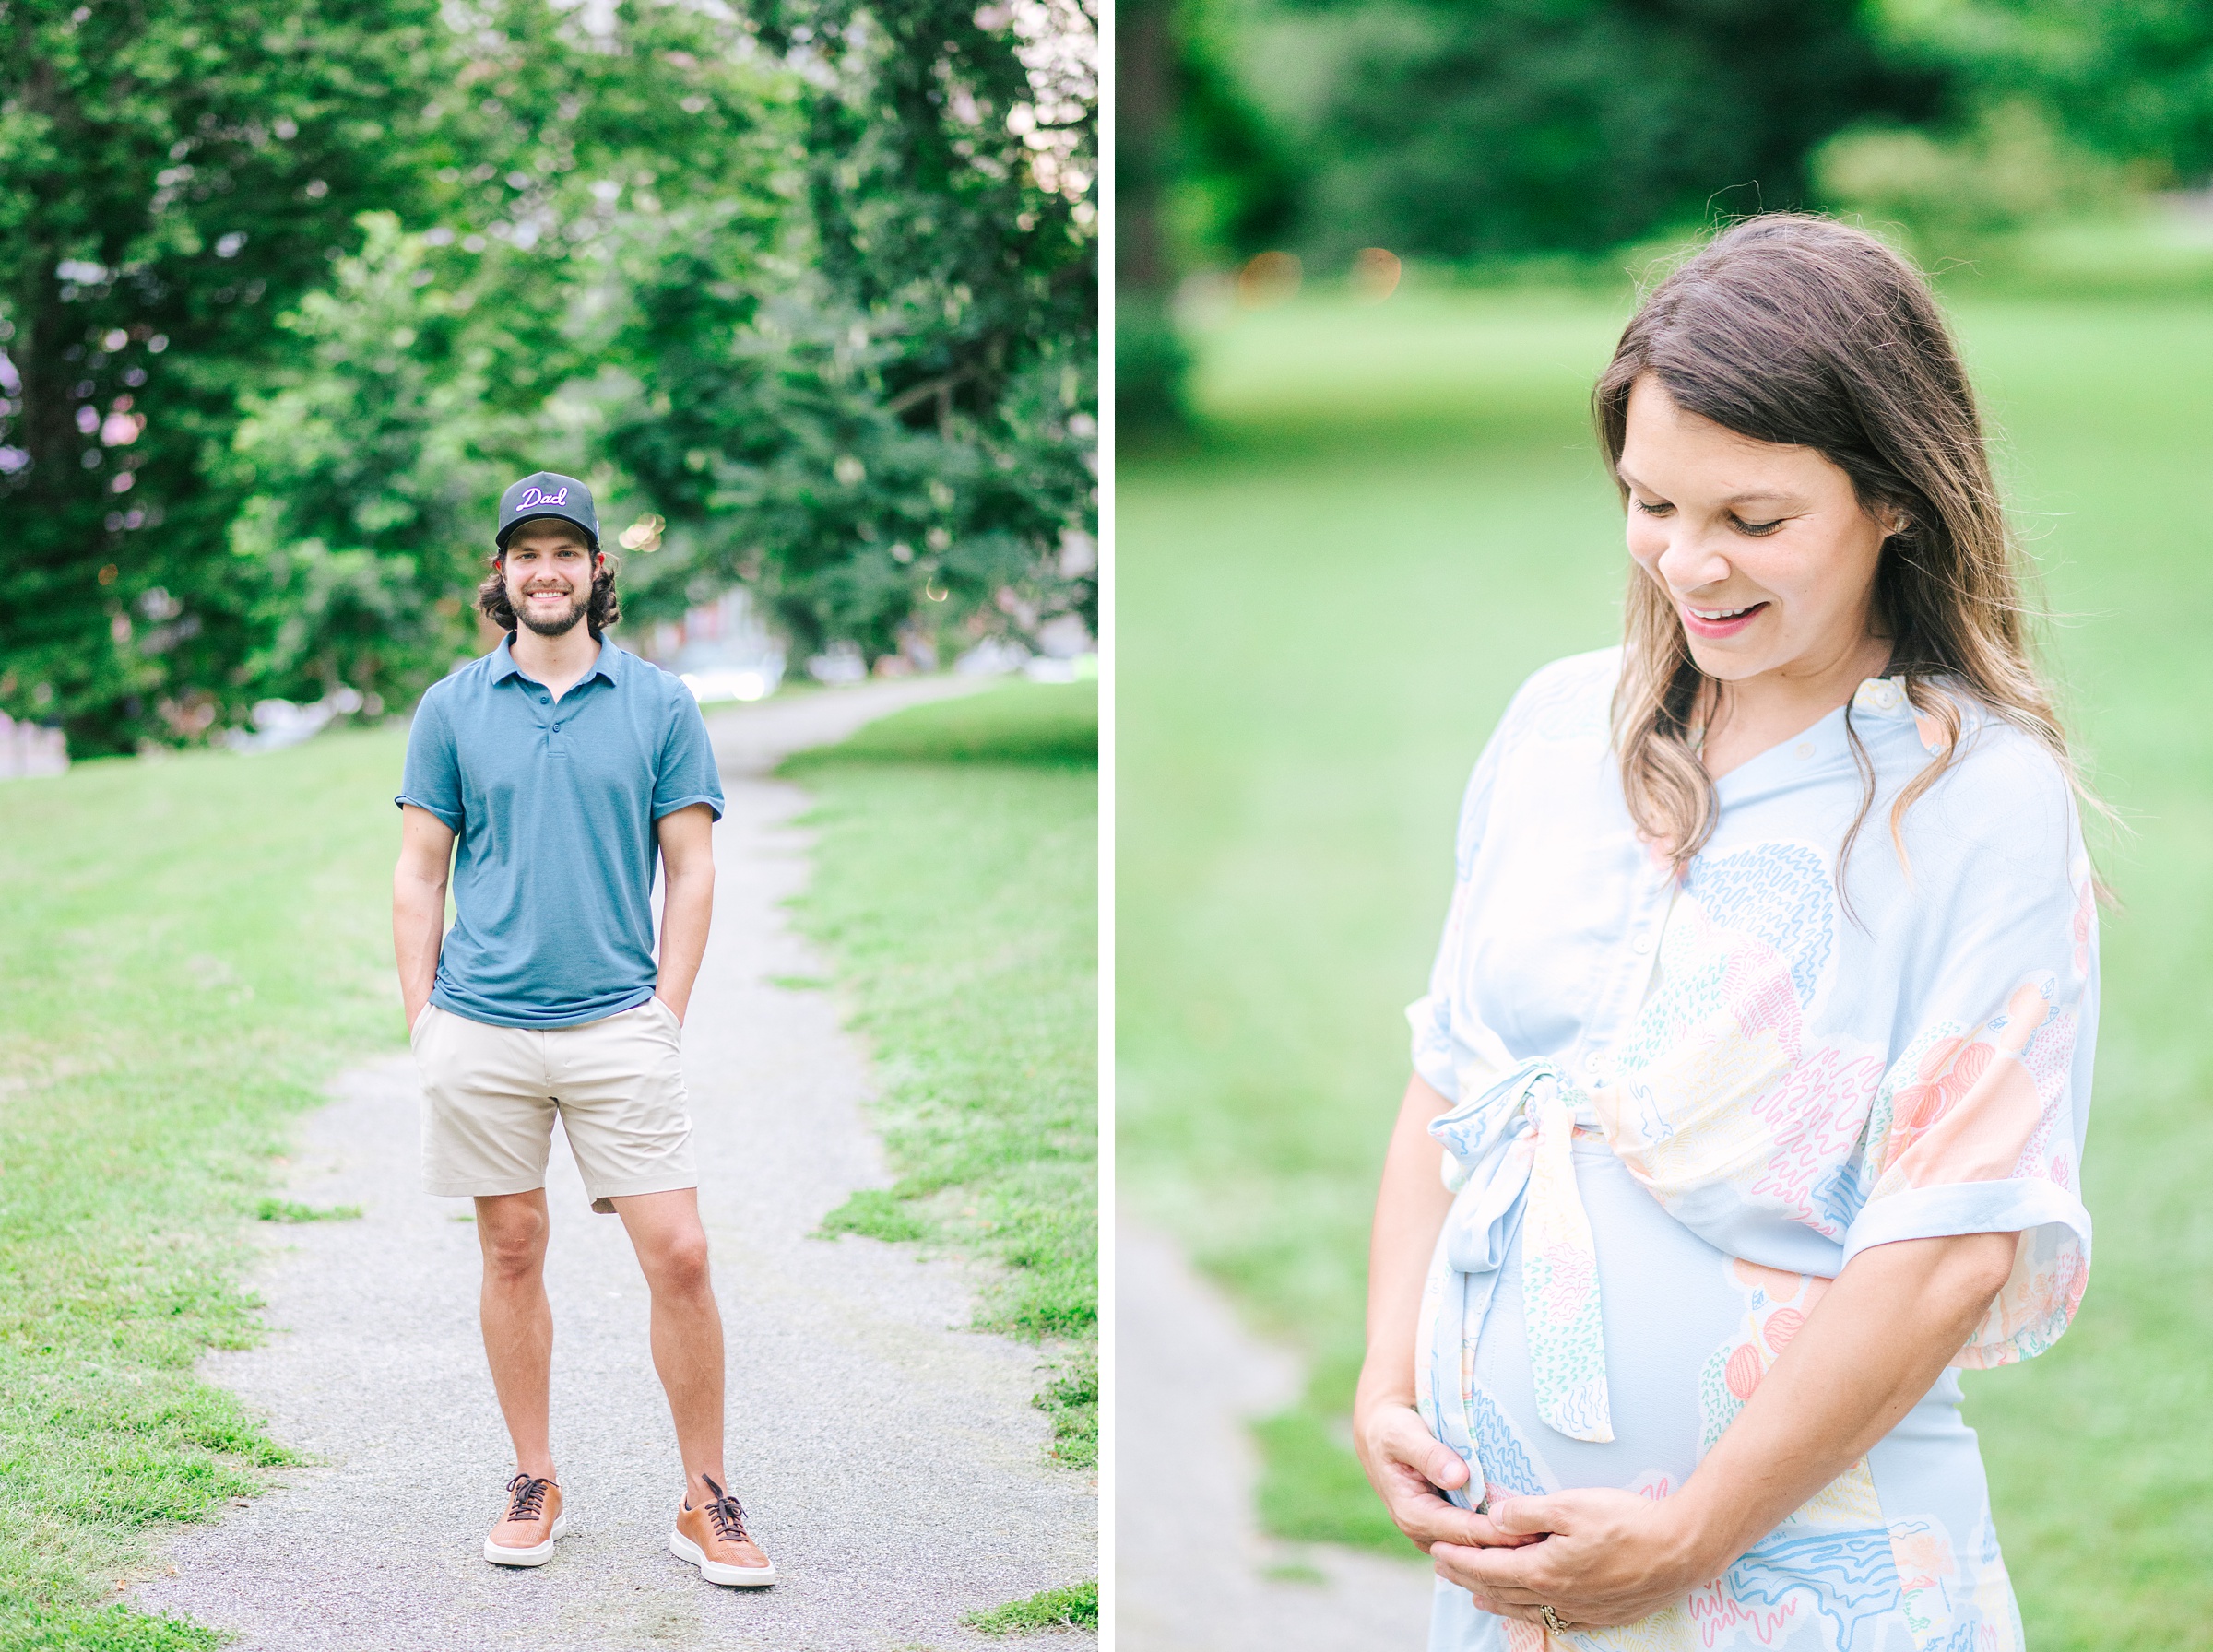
(1978, 1126)
(1448, 1040)
(431, 778)
(686, 771)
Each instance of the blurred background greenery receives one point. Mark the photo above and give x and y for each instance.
(288, 292)
(1365, 502)
(2066, 143)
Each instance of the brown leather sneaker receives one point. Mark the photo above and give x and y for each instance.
(712, 1537)
(525, 1534)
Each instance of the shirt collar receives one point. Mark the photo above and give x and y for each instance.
(607, 664)
(1883, 697)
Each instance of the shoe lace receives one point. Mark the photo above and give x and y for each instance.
(727, 1515)
(526, 1497)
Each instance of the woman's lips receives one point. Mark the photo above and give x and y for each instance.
(1715, 630)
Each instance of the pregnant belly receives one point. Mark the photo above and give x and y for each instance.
(1895, 1548)
(1689, 1333)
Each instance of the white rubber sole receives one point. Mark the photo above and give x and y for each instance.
(714, 1571)
(536, 1556)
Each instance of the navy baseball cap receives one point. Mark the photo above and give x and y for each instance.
(547, 494)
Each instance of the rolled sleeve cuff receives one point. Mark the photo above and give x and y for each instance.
(451, 818)
(2012, 1206)
(661, 811)
(2052, 1257)
(1433, 1055)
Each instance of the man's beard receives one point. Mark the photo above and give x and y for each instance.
(546, 626)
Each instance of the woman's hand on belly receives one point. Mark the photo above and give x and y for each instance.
(1866, 1354)
(1596, 1557)
(1407, 1464)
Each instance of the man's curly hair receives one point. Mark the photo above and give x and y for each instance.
(600, 611)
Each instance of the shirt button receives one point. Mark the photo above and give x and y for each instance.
(1806, 748)
(1641, 945)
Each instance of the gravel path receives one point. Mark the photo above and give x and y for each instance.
(1192, 1571)
(890, 1458)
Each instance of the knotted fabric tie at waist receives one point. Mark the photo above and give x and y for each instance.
(1513, 1147)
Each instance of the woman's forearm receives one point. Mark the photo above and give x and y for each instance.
(1411, 1207)
(1409, 1469)
(1871, 1348)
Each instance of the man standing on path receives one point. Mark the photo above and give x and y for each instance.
(560, 764)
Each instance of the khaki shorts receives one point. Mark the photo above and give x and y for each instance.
(489, 1095)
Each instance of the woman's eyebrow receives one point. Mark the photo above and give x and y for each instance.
(1748, 496)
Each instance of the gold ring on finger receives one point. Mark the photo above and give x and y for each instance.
(1553, 1620)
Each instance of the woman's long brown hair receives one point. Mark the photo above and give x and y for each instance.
(1798, 330)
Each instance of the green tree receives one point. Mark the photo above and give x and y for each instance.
(178, 172)
(899, 439)
(1463, 131)
(1200, 175)
(2132, 82)
(818, 289)
(443, 362)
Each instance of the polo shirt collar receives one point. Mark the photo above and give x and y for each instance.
(607, 664)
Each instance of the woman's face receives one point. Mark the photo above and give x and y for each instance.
(1762, 550)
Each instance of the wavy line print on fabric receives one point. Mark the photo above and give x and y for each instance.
(1778, 893)
(1741, 962)
(1850, 1576)
(1509, 1464)
(1817, 1114)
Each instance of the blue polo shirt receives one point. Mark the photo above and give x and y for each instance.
(553, 803)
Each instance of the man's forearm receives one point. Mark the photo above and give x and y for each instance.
(417, 928)
(687, 912)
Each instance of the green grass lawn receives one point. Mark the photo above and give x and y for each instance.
(1396, 514)
(956, 887)
(187, 948)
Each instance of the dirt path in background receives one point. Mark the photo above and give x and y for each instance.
(1191, 1567)
(890, 1458)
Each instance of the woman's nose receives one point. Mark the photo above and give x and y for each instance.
(1691, 560)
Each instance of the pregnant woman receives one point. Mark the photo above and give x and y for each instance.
(1758, 1045)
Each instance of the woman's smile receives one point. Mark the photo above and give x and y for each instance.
(1714, 623)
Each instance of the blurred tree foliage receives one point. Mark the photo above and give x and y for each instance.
(289, 293)
(1462, 131)
(1471, 129)
(2129, 80)
(900, 441)
(173, 176)
(2058, 109)
(1198, 171)
(1480, 131)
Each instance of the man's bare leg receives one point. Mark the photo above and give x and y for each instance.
(665, 1230)
(519, 1321)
